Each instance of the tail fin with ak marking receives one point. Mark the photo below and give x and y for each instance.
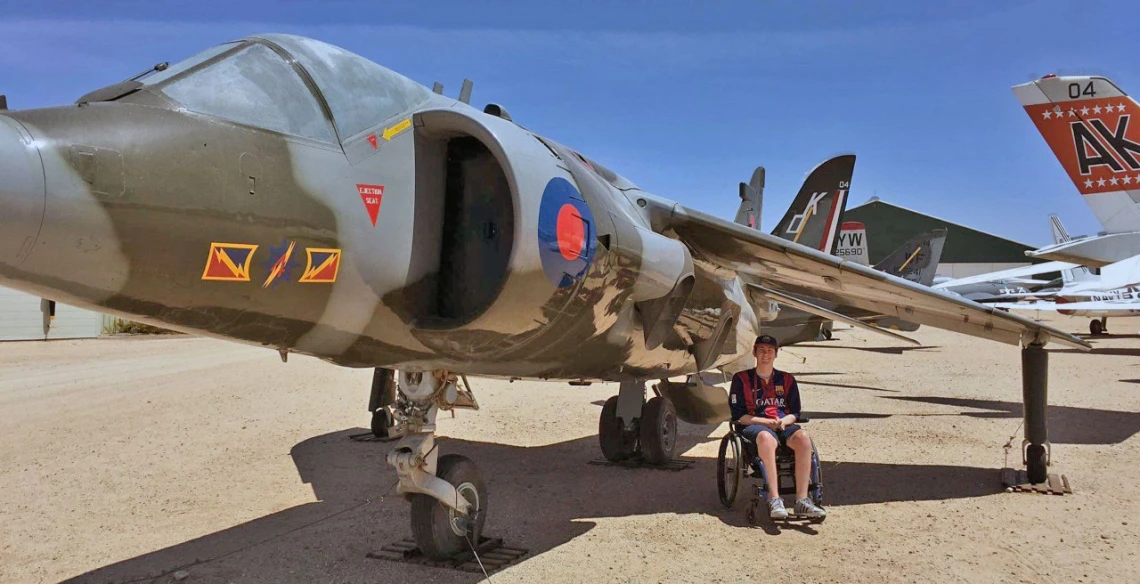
(813, 218)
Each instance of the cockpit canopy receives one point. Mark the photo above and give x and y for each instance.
(289, 84)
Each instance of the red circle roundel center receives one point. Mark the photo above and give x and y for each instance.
(570, 231)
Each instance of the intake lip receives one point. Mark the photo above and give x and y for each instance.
(22, 193)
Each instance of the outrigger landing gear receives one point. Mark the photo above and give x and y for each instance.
(629, 426)
(447, 493)
(1034, 392)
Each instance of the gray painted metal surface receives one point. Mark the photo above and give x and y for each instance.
(294, 209)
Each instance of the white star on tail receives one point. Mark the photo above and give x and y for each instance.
(1113, 181)
(1100, 182)
(1084, 111)
(1127, 179)
(1088, 184)
(1072, 113)
(1120, 107)
(1096, 110)
(1047, 114)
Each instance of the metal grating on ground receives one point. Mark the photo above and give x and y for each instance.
(1018, 481)
(638, 462)
(494, 555)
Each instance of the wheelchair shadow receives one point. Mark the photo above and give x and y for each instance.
(541, 498)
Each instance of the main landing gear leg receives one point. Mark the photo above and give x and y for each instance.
(448, 495)
(1034, 391)
(630, 425)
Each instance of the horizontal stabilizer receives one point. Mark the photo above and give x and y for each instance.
(1095, 252)
(1010, 273)
(799, 304)
(1112, 307)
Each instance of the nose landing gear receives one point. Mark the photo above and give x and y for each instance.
(447, 493)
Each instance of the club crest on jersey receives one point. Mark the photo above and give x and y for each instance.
(780, 390)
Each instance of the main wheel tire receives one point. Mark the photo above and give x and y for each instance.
(1037, 463)
(441, 532)
(381, 423)
(728, 469)
(658, 431)
(1095, 327)
(617, 444)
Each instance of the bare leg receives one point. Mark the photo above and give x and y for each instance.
(766, 447)
(801, 444)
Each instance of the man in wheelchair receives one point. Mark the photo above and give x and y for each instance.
(765, 404)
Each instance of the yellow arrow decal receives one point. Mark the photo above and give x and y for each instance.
(389, 133)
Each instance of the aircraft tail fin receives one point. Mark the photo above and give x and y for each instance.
(917, 259)
(751, 200)
(813, 218)
(1061, 235)
(853, 243)
(1092, 128)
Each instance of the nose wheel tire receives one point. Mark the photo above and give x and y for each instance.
(440, 531)
(381, 423)
(617, 444)
(658, 431)
(1095, 327)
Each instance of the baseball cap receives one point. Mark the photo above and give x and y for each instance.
(767, 340)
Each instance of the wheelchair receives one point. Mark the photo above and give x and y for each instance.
(738, 459)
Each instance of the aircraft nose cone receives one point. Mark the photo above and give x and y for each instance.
(22, 194)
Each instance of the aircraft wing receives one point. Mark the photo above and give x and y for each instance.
(1123, 307)
(792, 268)
(1010, 273)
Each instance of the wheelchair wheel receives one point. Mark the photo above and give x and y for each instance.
(729, 463)
(816, 492)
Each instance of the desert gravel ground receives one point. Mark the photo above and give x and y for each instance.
(136, 459)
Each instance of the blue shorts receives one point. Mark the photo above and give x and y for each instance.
(751, 433)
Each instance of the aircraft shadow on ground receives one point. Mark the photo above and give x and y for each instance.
(1109, 336)
(845, 385)
(1067, 425)
(1130, 380)
(1117, 351)
(883, 350)
(541, 498)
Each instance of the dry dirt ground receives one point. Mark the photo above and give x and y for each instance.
(128, 459)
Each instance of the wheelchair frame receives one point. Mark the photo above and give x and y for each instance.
(732, 468)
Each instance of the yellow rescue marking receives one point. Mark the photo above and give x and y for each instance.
(390, 133)
(807, 215)
(908, 260)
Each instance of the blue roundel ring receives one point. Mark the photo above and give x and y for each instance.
(567, 237)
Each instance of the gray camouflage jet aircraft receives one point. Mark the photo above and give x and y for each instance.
(283, 192)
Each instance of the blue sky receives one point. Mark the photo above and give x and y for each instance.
(683, 98)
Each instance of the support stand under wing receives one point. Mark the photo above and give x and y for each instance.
(1036, 450)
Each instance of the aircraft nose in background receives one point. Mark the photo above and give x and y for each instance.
(22, 194)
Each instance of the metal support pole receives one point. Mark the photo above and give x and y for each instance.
(1034, 393)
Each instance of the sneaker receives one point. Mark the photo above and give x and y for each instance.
(776, 509)
(806, 508)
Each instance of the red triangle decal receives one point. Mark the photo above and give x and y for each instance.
(372, 141)
(371, 195)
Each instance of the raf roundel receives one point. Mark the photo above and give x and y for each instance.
(566, 237)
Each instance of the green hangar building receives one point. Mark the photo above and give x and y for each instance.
(967, 251)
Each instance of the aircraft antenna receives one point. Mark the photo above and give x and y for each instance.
(437, 87)
(465, 91)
